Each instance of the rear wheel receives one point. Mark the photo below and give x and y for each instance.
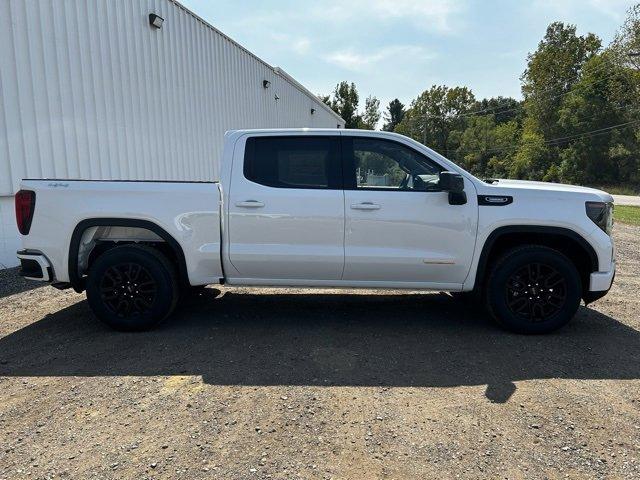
(132, 287)
(533, 289)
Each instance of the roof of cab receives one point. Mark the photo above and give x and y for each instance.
(340, 131)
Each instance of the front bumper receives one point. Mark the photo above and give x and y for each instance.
(600, 284)
(35, 266)
(601, 281)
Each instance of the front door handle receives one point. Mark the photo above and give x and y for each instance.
(250, 204)
(365, 206)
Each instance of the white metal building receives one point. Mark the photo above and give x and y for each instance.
(93, 90)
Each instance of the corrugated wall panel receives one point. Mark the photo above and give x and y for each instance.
(90, 90)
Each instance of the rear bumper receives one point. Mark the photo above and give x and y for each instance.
(35, 266)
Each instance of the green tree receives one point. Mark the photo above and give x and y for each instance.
(507, 138)
(530, 161)
(345, 102)
(624, 50)
(551, 71)
(435, 114)
(371, 115)
(504, 109)
(326, 99)
(477, 143)
(598, 101)
(627, 40)
(394, 115)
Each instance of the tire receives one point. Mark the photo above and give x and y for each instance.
(533, 290)
(132, 287)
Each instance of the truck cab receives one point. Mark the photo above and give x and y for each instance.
(322, 208)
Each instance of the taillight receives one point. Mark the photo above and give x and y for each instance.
(25, 205)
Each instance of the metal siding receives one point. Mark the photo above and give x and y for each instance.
(90, 90)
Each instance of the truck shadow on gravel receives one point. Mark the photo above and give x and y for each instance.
(421, 340)
(12, 283)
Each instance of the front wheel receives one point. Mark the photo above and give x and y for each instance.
(132, 287)
(533, 290)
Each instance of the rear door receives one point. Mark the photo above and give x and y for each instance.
(400, 227)
(286, 209)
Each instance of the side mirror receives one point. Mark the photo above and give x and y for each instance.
(454, 184)
(451, 182)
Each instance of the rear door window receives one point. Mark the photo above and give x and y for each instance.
(294, 162)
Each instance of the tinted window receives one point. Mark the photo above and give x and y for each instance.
(385, 164)
(293, 162)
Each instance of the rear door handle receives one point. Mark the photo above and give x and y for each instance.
(250, 204)
(365, 206)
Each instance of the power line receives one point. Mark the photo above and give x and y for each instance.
(495, 110)
(555, 141)
(549, 142)
(605, 129)
(521, 106)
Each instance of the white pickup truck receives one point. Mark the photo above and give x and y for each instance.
(322, 208)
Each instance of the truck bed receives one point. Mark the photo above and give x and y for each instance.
(71, 211)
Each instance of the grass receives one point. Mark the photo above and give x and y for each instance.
(627, 214)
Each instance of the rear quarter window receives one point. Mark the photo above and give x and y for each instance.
(293, 162)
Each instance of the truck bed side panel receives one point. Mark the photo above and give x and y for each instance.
(188, 212)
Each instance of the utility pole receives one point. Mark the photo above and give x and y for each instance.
(425, 119)
(424, 129)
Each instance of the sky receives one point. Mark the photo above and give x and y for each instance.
(399, 48)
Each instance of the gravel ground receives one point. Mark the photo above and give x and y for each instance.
(319, 384)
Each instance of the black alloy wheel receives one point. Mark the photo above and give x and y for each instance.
(128, 289)
(533, 289)
(132, 287)
(536, 292)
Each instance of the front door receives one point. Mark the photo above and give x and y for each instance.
(399, 226)
(286, 209)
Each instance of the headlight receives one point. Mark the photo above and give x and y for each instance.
(601, 213)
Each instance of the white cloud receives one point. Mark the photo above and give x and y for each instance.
(349, 59)
(299, 45)
(428, 14)
(615, 9)
(431, 13)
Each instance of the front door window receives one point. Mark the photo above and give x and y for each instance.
(388, 165)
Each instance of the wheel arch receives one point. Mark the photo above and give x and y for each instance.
(567, 241)
(76, 279)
